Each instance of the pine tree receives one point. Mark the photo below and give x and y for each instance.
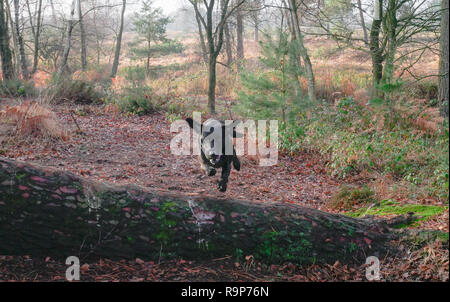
(276, 92)
(150, 25)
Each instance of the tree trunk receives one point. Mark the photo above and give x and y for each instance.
(202, 40)
(391, 28)
(214, 39)
(228, 47)
(443, 61)
(5, 51)
(212, 83)
(298, 36)
(118, 42)
(375, 49)
(256, 33)
(15, 54)
(23, 59)
(68, 44)
(37, 33)
(45, 212)
(83, 38)
(148, 56)
(363, 23)
(55, 20)
(239, 38)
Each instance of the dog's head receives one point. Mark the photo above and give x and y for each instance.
(214, 137)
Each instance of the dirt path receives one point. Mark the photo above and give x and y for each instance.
(130, 149)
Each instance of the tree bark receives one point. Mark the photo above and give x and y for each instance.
(298, 36)
(391, 28)
(239, 38)
(202, 40)
(363, 23)
(83, 38)
(443, 61)
(45, 212)
(375, 48)
(228, 47)
(68, 44)
(148, 56)
(15, 53)
(212, 82)
(23, 59)
(5, 50)
(119, 42)
(52, 5)
(36, 33)
(214, 36)
(256, 33)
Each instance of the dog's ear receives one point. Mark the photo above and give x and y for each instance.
(194, 125)
(190, 122)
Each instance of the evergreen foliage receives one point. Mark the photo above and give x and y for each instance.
(274, 93)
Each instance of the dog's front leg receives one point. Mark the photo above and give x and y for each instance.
(210, 171)
(226, 169)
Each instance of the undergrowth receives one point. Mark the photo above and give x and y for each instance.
(389, 207)
(382, 140)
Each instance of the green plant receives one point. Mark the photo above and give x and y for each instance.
(348, 197)
(17, 88)
(166, 222)
(389, 207)
(275, 93)
(74, 91)
(138, 101)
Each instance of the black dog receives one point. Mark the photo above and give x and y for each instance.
(212, 155)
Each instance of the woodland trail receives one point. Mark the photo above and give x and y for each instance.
(136, 150)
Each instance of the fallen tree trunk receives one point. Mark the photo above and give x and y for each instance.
(54, 213)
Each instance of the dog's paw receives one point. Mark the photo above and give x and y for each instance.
(222, 186)
(212, 172)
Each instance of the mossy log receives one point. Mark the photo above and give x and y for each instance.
(48, 212)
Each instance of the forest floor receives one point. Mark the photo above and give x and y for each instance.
(131, 149)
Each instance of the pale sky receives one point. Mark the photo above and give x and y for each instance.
(169, 6)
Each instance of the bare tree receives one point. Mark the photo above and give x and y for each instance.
(395, 25)
(82, 37)
(376, 50)
(297, 35)
(255, 8)
(119, 41)
(23, 59)
(5, 51)
(68, 43)
(36, 31)
(228, 44)
(443, 59)
(214, 36)
(15, 54)
(362, 21)
(202, 40)
(239, 37)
